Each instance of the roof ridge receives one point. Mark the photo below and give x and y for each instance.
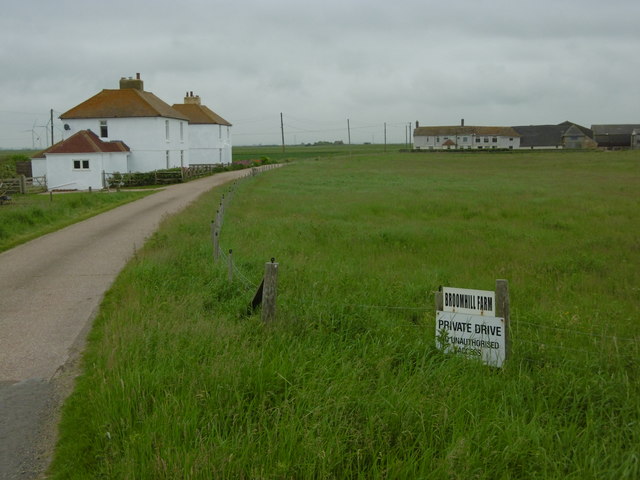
(88, 134)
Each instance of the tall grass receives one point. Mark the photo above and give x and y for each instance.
(180, 383)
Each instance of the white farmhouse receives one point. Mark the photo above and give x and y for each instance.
(77, 163)
(209, 133)
(156, 133)
(465, 138)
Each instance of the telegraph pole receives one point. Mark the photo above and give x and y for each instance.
(282, 130)
(52, 126)
(385, 136)
(349, 131)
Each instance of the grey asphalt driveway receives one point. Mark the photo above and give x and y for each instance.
(50, 290)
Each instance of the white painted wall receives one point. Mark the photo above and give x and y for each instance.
(38, 167)
(62, 175)
(147, 139)
(486, 142)
(209, 144)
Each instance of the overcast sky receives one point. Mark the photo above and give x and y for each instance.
(320, 63)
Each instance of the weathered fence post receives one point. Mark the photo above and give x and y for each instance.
(230, 265)
(438, 300)
(214, 240)
(502, 310)
(23, 184)
(270, 291)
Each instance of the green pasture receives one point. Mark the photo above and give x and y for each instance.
(180, 381)
(29, 216)
(298, 152)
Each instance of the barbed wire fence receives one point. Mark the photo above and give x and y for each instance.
(526, 337)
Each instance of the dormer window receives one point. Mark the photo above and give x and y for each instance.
(104, 131)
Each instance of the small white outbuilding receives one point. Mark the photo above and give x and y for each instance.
(78, 162)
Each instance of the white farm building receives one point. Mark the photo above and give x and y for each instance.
(156, 135)
(209, 133)
(465, 138)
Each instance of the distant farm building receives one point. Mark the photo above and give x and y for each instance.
(616, 136)
(562, 135)
(465, 138)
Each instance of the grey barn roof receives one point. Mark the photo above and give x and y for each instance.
(546, 135)
(614, 135)
(540, 135)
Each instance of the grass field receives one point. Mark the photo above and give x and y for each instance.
(30, 216)
(179, 382)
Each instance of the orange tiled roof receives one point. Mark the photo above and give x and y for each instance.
(200, 114)
(84, 141)
(123, 103)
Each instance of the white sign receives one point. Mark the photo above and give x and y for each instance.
(464, 300)
(476, 336)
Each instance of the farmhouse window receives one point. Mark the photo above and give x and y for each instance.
(494, 139)
(104, 131)
(486, 139)
(464, 139)
(81, 164)
(511, 139)
(477, 139)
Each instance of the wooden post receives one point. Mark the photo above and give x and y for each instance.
(23, 184)
(270, 291)
(214, 240)
(230, 265)
(50, 195)
(439, 301)
(502, 310)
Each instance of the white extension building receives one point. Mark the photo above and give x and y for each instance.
(78, 162)
(209, 133)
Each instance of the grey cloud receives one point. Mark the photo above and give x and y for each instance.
(498, 61)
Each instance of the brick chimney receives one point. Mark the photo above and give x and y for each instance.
(191, 99)
(136, 83)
